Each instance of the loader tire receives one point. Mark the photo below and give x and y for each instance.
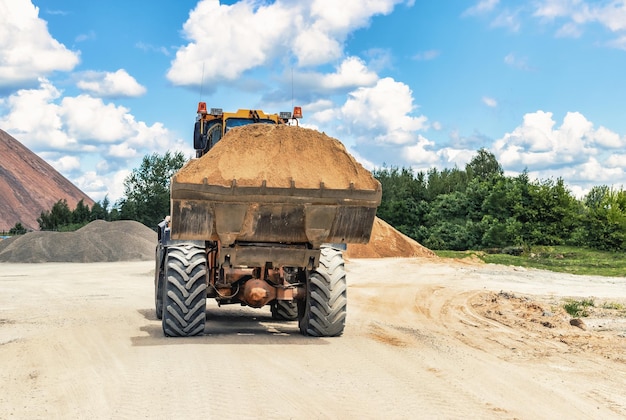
(184, 297)
(283, 310)
(159, 281)
(323, 312)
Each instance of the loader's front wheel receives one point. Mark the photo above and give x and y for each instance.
(323, 312)
(184, 298)
(283, 310)
(159, 281)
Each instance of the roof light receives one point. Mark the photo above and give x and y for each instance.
(285, 115)
(201, 107)
(297, 112)
(217, 111)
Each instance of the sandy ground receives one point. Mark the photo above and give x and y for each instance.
(424, 339)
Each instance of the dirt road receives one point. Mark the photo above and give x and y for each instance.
(424, 339)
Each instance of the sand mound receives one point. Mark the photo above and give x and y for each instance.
(387, 242)
(99, 241)
(278, 154)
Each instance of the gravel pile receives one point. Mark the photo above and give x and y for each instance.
(99, 241)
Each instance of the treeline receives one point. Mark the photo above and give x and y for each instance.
(450, 209)
(480, 208)
(61, 218)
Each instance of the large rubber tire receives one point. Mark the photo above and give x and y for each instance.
(159, 282)
(283, 310)
(323, 312)
(184, 300)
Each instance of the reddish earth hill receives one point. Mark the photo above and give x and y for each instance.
(29, 185)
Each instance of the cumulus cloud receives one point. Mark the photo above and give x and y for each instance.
(249, 34)
(575, 150)
(424, 154)
(110, 85)
(351, 73)
(27, 50)
(70, 130)
(382, 113)
(66, 164)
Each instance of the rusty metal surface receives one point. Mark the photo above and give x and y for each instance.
(281, 215)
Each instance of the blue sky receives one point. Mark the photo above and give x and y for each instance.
(93, 86)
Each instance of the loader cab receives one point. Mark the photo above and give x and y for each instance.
(211, 125)
(205, 135)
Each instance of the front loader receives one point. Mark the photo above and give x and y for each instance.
(257, 245)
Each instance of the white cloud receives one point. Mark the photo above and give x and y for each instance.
(86, 37)
(249, 34)
(507, 19)
(27, 50)
(616, 161)
(48, 133)
(84, 129)
(122, 150)
(110, 85)
(66, 164)
(619, 43)
(575, 150)
(569, 30)
(423, 155)
(490, 102)
(320, 36)
(382, 113)
(352, 72)
(551, 9)
(152, 48)
(89, 118)
(610, 14)
(314, 47)
(482, 7)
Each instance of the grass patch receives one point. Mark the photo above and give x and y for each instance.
(578, 308)
(613, 305)
(562, 259)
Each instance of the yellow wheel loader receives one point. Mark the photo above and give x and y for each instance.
(257, 244)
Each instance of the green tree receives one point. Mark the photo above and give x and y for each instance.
(402, 204)
(484, 165)
(18, 229)
(81, 213)
(100, 210)
(147, 188)
(603, 223)
(60, 215)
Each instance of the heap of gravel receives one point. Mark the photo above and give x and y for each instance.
(99, 241)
